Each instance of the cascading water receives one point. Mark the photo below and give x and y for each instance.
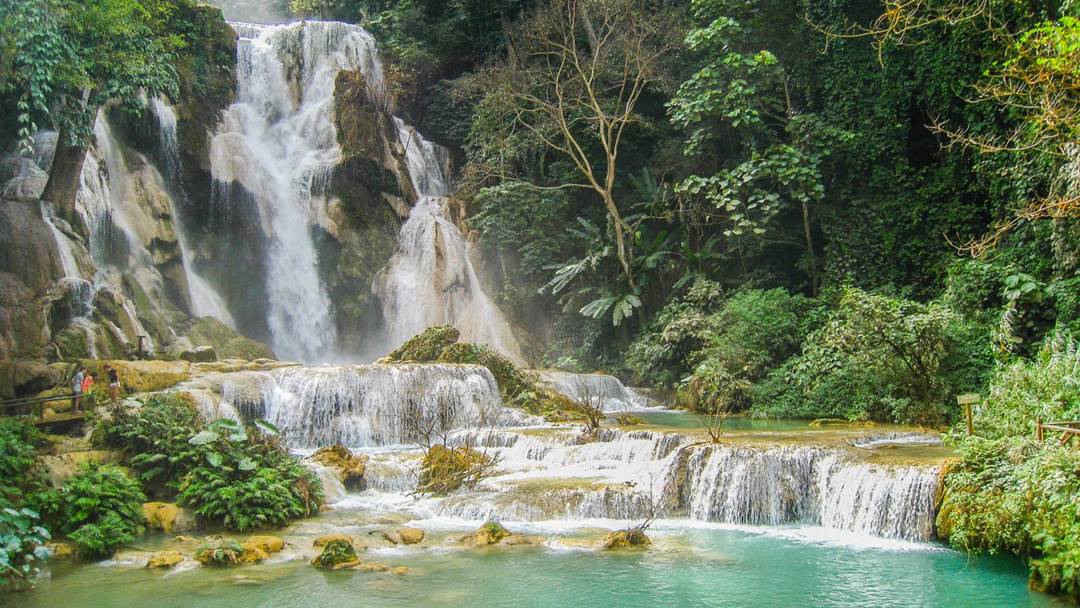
(431, 279)
(205, 300)
(368, 405)
(613, 394)
(278, 145)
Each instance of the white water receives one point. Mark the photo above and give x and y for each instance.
(205, 300)
(431, 279)
(279, 143)
(613, 394)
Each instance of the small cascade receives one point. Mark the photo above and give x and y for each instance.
(369, 405)
(615, 396)
(783, 485)
(277, 145)
(205, 300)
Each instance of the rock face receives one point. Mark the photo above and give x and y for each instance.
(200, 354)
(29, 263)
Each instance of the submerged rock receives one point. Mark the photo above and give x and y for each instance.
(165, 559)
(404, 536)
(522, 540)
(625, 539)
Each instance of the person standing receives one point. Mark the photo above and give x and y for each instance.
(87, 387)
(114, 383)
(77, 389)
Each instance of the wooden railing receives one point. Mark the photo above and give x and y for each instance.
(36, 403)
(1068, 430)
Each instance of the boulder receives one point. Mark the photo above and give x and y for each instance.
(61, 549)
(200, 354)
(265, 543)
(625, 539)
(160, 515)
(63, 466)
(227, 344)
(410, 536)
(350, 468)
(336, 555)
(164, 559)
(489, 534)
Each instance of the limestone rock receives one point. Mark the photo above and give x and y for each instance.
(324, 540)
(521, 540)
(336, 555)
(61, 549)
(265, 543)
(350, 468)
(164, 559)
(63, 466)
(624, 539)
(410, 536)
(490, 534)
(200, 354)
(160, 515)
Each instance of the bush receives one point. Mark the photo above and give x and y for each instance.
(444, 470)
(335, 553)
(1012, 494)
(155, 437)
(879, 358)
(101, 509)
(19, 474)
(1047, 387)
(426, 346)
(22, 548)
(247, 481)
(226, 553)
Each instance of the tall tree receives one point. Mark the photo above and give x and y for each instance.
(68, 58)
(579, 69)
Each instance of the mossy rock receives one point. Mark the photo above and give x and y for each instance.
(208, 331)
(165, 559)
(513, 381)
(425, 347)
(336, 554)
(350, 467)
(72, 344)
(226, 553)
(490, 534)
(444, 470)
(625, 539)
(326, 539)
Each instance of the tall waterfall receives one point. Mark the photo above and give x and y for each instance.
(278, 145)
(431, 279)
(205, 300)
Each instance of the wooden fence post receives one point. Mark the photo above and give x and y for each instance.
(968, 400)
(1038, 430)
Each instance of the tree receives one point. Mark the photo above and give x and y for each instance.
(578, 70)
(65, 59)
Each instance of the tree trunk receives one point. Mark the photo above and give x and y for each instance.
(810, 248)
(586, 21)
(63, 181)
(620, 237)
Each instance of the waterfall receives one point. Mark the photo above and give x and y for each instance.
(614, 396)
(369, 405)
(278, 144)
(431, 279)
(779, 485)
(205, 300)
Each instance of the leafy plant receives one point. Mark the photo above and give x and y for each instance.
(247, 482)
(226, 553)
(101, 509)
(22, 548)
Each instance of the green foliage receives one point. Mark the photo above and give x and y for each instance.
(22, 548)
(335, 553)
(226, 553)
(1011, 494)
(513, 381)
(247, 481)
(19, 475)
(1046, 387)
(154, 437)
(880, 358)
(101, 510)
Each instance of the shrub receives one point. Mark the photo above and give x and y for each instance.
(1047, 387)
(22, 548)
(19, 474)
(247, 482)
(101, 509)
(335, 553)
(444, 470)
(226, 553)
(426, 346)
(155, 437)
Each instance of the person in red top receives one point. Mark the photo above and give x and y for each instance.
(88, 385)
